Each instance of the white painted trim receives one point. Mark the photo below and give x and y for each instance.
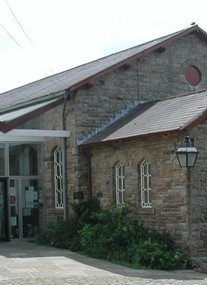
(32, 135)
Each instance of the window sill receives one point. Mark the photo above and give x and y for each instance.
(146, 211)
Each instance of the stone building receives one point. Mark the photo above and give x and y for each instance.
(110, 128)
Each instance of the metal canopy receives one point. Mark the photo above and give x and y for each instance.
(32, 135)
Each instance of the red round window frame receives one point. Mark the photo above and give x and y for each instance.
(193, 75)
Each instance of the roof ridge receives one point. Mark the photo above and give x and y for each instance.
(104, 57)
(76, 77)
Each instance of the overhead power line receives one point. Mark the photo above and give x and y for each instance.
(26, 35)
(30, 41)
(21, 27)
(11, 36)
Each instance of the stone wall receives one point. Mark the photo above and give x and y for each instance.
(198, 194)
(156, 76)
(153, 77)
(52, 120)
(178, 207)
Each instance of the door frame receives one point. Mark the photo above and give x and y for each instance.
(6, 212)
(18, 184)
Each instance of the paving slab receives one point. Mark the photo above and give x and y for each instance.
(23, 262)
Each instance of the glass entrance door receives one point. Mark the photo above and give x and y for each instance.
(25, 206)
(3, 210)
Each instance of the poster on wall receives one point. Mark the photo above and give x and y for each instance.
(29, 197)
(12, 193)
(13, 221)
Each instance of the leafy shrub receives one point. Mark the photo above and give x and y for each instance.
(65, 234)
(83, 210)
(109, 235)
(113, 237)
(154, 255)
(61, 234)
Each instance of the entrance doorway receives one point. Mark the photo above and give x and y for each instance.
(3, 210)
(25, 202)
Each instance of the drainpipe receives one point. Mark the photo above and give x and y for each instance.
(89, 155)
(64, 166)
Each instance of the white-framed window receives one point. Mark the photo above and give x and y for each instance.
(120, 187)
(58, 175)
(146, 190)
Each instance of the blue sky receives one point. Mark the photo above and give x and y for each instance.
(42, 37)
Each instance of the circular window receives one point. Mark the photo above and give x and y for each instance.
(193, 75)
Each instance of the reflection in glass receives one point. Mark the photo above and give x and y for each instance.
(2, 159)
(23, 159)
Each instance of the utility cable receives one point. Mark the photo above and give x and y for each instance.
(26, 35)
(21, 27)
(11, 37)
(31, 43)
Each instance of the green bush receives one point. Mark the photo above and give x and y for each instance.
(61, 234)
(65, 234)
(156, 255)
(84, 209)
(109, 235)
(113, 237)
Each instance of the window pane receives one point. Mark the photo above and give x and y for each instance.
(58, 178)
(145, 182)
(2, 160)
(23, 159)
(146, 201)
(145, 196)
(119, 170)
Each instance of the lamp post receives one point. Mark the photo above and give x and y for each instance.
(187, 153)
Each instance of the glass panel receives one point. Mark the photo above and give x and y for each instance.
(191, 159)
(14, 208)
(120, 197)
(149, 182)
(58, 178)
(3, 217)
(2, 160)
(145, 182)
(150, 198)
(31, 193)
(35, 123)
(26, 202)
(120, 184)
(23, 159)
(145, 196)
(145, 169)
(145, 185)
(182, 159)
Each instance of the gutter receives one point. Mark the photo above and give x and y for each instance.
(25, 104)
(64, 166)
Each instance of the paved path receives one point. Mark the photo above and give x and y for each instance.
(26, 263)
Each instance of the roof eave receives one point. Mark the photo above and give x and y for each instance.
(143, 136)
(43, 99)
(194, 122)
(90, 80)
